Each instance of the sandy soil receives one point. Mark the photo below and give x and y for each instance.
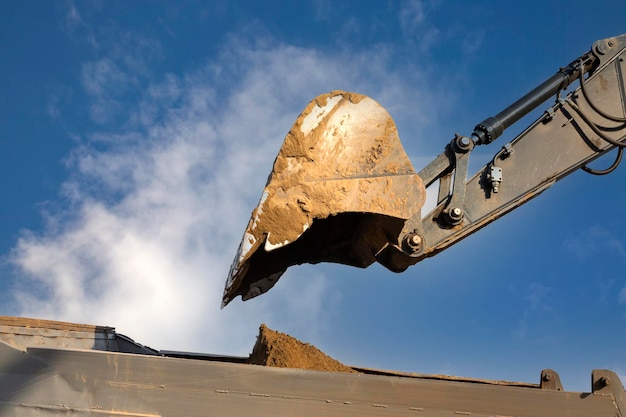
(280, 350)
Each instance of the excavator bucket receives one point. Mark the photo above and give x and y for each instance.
(341, 189)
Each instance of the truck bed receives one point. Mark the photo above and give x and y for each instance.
(50, 368)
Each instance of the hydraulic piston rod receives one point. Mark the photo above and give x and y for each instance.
(492, 127)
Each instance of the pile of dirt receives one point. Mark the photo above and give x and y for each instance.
(280, 350)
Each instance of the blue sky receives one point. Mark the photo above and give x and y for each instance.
(136, 138)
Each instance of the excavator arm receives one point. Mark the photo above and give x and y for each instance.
(343, 190)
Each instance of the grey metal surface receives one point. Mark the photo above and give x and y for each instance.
(59, 382)
(560, 142)
(23, 332)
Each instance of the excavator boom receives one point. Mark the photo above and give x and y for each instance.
(343, 190)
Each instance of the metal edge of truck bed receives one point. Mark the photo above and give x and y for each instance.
(50, 376)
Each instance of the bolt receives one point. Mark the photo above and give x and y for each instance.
(547, 376)
(611, 43)
(463, 143)
(414, 242)
(454, 215)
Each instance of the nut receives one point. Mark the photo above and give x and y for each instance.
(414, 242)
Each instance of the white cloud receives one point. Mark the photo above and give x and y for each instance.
(155, 208)
(322, 9)
(412, 14)
(472, 41)
(414, 22)
(593, 241)
(537, 299)
(76, 26)
(121, 71)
